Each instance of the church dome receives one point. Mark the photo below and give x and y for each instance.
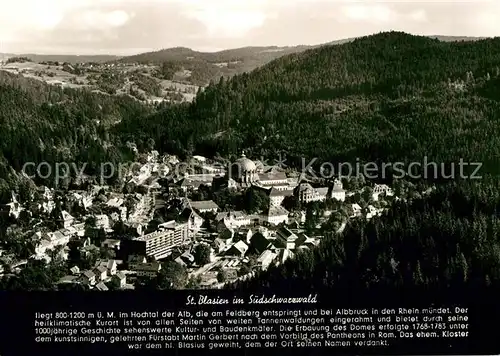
(245, 164)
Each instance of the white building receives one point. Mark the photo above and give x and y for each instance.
(381, 189)
(276, 215)
(356, 210)
(286, 237)
(68, 220)
(204, 206)
(234, 219)
(15, 208)
(277, 196)
(48, 242)
(306, 193)
(338, 191)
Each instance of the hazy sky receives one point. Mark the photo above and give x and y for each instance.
(132, 26)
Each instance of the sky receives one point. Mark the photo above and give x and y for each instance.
(124, 27)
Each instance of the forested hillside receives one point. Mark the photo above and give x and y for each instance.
(388, 97)
(41, 123)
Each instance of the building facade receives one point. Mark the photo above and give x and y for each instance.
(158, 244)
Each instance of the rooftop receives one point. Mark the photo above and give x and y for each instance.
(204, 205)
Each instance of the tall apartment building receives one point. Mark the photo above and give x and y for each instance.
(158, 244)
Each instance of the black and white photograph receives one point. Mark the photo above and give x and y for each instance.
(262, 148)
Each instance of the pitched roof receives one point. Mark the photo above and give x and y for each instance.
(277, 211)
(259, 243)
(101, 269)
(101, 286)
(305, 187)
(153, 266)
(120, 275)
(280, 193)
(322, 191)
(241, 246)
(89, 274)
(284, 232)
(272, 175)
(204, 205)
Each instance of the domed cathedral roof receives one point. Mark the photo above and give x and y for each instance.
(245, 164)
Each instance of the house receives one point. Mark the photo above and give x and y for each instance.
(216, 169)
(115, 202)
(149, 270)
(238, 249)
(204, 206)
(356, 210)
(258, 243)
(153, 156)
(79, 229)
(101, 273)
(83, 199)
(186, 259)
(234, 219)
(180, 261)
(194, 182)
(304, 241)
(68, 280)
(46, 203)
(88, 278)
(15, 208)
(286, 238)
(371, 211)
(200, 159)
(111, 244)
(266, 258)
(109, 265)
(134, 261)
(193, 219)
(49, 241)
(75, 270)
(338, 191)
(120, 279)
(381, 190)
(276, 215)
(67, 219)
(218, 245)
(101, 287)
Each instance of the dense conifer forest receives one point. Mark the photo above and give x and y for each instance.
(391, 97)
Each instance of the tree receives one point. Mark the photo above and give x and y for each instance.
(171, 276)
(202, 254)
(244, 270)
(256, 200)
(221, 276)
(194, 283)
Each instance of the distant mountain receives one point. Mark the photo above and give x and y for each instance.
(263, 53)
(230, 55)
